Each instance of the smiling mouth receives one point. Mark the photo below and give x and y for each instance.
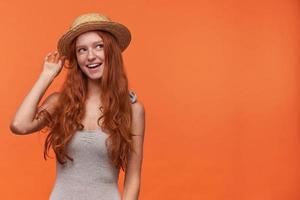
(92, 66)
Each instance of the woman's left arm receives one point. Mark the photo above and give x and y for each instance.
(133, 173)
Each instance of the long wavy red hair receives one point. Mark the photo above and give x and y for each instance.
(116, 106)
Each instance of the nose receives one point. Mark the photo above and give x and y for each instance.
(91, 55)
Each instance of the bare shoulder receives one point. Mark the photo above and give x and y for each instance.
(138, 118)
(138, 108)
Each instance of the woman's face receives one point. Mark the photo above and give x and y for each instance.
(90, 54)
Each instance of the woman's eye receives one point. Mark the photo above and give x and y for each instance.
(98, 46)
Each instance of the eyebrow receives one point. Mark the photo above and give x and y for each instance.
(93, 43)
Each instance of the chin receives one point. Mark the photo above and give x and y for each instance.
(94, 77)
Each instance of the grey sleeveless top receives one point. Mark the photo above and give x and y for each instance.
(90, 176)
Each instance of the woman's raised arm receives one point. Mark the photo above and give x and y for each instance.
(24, 121)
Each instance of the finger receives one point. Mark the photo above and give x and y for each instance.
(47, 56)
(59, 62)
(63, 59)
(52, 57)
(56, 57)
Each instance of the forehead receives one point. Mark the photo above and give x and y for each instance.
(88, 38)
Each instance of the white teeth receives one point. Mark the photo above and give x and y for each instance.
(94, 65)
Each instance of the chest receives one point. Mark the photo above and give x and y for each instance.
(91, 116)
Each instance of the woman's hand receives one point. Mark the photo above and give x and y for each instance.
(53, 64)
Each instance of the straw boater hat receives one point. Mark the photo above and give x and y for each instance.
(90, 22)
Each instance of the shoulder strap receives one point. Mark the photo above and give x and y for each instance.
(132, 96)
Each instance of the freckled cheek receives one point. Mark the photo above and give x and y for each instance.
(101, 54)
(80, 61)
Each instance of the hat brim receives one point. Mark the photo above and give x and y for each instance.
(119, 31)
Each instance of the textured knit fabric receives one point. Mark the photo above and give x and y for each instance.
(90, 176)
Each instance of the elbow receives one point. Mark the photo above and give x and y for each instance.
(131, 193)
(16, 129)
(132, 188)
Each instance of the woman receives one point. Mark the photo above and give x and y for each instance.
(96, 125)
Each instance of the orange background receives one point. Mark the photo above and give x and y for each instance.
(220, 85)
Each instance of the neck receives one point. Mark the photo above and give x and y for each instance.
(94, 90)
